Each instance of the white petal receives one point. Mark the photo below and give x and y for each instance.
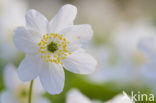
(77, 34)
(74, 96)
(147, 45)
(30, 67)
(52, 78)
(121, 98)
(81, 32)
(149, 69)
(26, 41)
(7, 97)
(36, 21)
(38, 89)
(80, 62)
(64, 18)
(42, 100)
(10, 77)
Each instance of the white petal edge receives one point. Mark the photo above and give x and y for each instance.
(30, 67)
(10, 77)
(42, 100)
(52, 78)
(25, 40)
(121, 98)
(81, 32)
(38, 89)
(74, 96)
(77, 34)
(80, 62)
(147, 45)
(63, 18)
(36, 21)
(7, 97)
(149, 69)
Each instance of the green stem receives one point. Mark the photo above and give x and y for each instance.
(30, 91)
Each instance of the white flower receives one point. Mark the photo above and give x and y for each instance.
(147, 46)
(17, 91)
(51, 46)
(109, 67)
(126, 39)
(124, 61)
(121, 98)
(11, 15)
(74, 96)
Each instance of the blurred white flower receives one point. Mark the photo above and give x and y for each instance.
(110, 69)
(11, 15)
(51, 46)
(121, 98)
(126, 39)
(123, 61)
(17, 91)
(74, 96)
(147, 46)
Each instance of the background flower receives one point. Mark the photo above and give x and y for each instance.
(17, 91)
(75, 96)
(124, 61)
(146, 45)
(11, 15)
(121, 98)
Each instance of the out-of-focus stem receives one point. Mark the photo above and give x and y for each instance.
(30, 92)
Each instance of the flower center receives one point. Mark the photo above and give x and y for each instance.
(21, 93)
(53, 48)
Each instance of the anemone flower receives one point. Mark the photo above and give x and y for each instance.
(17, 91)
(52, 46)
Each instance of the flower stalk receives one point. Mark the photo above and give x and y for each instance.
(30, 92)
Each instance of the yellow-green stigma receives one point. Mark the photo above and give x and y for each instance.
(52, 47)
(24, 93)
(21, 93)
